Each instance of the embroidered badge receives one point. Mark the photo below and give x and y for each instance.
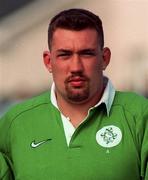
(109, 136)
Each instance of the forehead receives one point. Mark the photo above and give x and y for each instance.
(63, 38)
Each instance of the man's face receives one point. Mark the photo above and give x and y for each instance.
(76, 62)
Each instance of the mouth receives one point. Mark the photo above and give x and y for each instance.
(77, 82)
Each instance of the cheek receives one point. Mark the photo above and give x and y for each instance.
(58, 66)
(94, 70)
(58, 72)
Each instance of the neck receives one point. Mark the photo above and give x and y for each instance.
(77, 111)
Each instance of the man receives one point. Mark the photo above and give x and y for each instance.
(83, 128)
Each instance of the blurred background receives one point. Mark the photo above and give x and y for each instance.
(23, 38)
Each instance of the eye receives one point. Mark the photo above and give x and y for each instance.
(64, 55)
(88, 53)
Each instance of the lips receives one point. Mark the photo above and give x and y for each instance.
(77, 81)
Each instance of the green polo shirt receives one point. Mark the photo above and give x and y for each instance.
(113, 147)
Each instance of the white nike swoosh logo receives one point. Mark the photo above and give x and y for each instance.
(34, 144)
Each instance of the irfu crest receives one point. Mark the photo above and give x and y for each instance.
(109, 136)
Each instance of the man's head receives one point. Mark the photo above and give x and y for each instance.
(76, 19)
(77, 58)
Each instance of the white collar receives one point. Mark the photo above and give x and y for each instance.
(107, 97)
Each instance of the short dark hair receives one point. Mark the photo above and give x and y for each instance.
(76, 19)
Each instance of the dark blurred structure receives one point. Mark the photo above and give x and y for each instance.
(9, 6)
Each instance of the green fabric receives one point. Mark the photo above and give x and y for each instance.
(38, 121)
(5, 172)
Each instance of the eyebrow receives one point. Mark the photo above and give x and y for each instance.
(64, 50)
(79, 52)
(87, 50)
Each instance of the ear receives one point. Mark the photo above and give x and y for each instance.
(106, 57)
(47, 60)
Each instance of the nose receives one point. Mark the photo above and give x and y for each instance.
(76, 64)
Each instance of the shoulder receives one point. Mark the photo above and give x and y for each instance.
(130, 97)
(131, 102)
(28, 105)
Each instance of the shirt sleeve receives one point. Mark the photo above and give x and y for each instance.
(143, 139)
(5, 164)
(5, 172)
(144, 152)
(4, 131)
